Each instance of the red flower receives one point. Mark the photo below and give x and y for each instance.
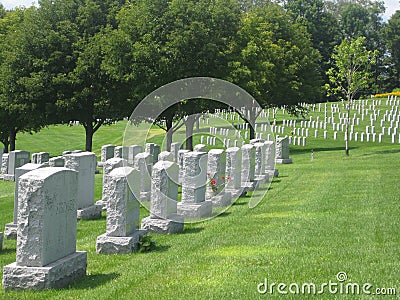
(223, 177)
(213, 182)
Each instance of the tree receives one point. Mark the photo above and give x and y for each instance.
(351, 74)
(173, 40)
(23, 98)
(273, 59)
(364, 18)
(82, 87)
(392, 36)
(321, 24)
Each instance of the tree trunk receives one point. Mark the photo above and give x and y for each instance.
(13, 138)
(189, 123)
(170, 132)
(89, 136)
(347, 129)
(6, 144)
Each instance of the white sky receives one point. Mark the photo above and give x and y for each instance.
(391, 5)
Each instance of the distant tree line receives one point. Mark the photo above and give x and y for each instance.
(94, 60)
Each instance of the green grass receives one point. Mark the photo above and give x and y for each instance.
(334, 214)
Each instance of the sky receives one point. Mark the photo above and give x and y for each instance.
(391, 5)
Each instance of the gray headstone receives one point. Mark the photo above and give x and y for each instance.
(165, 156)
(121, 152)
(175, 147)
(84, 164)
(17, 159)
(215, 188)
(270, 159)
(123, 211)
(193, 204)
(107, 152)
(233, 171)
(40, 158)
(248, 166)
(181, 153)
(10, 230)
(57, 161)
(132, 152)
(200, 148)
(4, 164)
(282, 151)
(108, 167)
(154, 151)
(46, 242)
(144, 162)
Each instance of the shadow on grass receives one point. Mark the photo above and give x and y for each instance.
(7, 251)
(161, 248)
(239, 203)
(223, 214)
(192, 230)
(91, 281)
(389, 151)
(308, 150)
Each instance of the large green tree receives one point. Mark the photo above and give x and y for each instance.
(393, 42)
(351, 73)
(168, 41)
(24, 104)
(273, 59)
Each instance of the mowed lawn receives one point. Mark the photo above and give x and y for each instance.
(319, 218)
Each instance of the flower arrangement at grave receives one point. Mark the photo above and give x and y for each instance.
(215, 186)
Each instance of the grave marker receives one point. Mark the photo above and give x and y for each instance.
(46, 240)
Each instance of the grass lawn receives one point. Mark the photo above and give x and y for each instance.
(334, 214)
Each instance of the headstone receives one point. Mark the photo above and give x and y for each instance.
(260, 176)
(193, 204)
(108, 167)
(165, 156)
(16, 159)
(84, 164)
(144, 162)
(10, 231)
(123, 212)
(4, 164)
(175, 147)
(46, 242)
(57, 161)
(164, 194)
(121, 152)
(233, 171)
(133, 150)
(200, 148)
(248, 167)
(215, 189)
(154, 150)
(282, 151)
(40, 158)
(107, 152)
(181, 153)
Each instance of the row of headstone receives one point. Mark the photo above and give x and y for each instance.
(11, 161)
(79, 161)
